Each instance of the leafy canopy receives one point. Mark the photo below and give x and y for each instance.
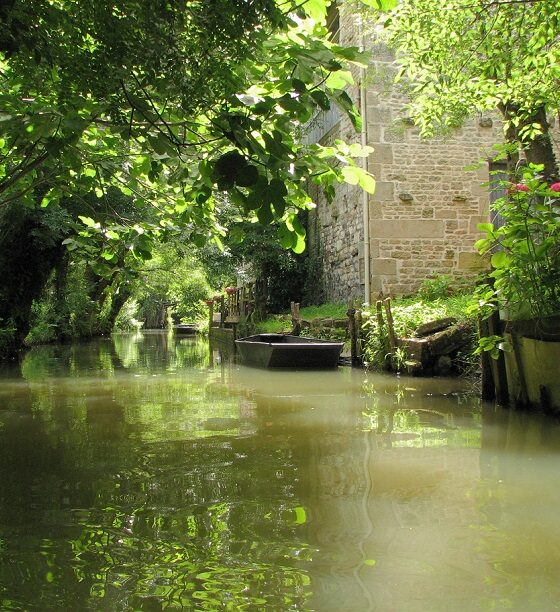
(465, 56)
(170, 102)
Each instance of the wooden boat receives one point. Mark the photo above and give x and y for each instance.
(285, 351)
(186, 329)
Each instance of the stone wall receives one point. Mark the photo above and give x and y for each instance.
(423, 216)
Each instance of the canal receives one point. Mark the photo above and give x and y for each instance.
(146, 472)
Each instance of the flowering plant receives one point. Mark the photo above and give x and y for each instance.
(524, 248)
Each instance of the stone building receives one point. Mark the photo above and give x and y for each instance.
(422, 220)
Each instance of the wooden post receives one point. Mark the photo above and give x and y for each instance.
(296, 319)
(523, 398)
(379, 310)
(222, 311)
(242, 302)
(359, 323)
(487, 389)
(351, 312)
(499, 366)
(390, 326)
(210, 314)
(382, 337)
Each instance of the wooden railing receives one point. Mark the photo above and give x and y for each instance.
(230, 307)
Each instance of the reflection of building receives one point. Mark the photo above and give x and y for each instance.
(422, 219)
(388, 523)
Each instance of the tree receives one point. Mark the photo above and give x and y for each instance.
(146, 97)
(461, 57)
(170, 103)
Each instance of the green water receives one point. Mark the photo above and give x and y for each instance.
(146, 472)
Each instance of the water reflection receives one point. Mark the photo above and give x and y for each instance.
(148, 472)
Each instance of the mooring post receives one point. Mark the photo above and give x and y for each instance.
(499, 365)
(296, 319)
(391, 329)
(487, 388)
(351, 312)
(359, 335)
(523, 397)
(222, 311)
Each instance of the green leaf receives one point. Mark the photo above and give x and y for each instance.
(485, 227)
(288, 239)
(236, 235)
(299, 247)
(499, 259)
(483, 245)
(316, 9)
(353, 175)
(321, 98)
(198, 239)
(264, 214)
(247, 176)
(279, 206)
(276, 148)
(88, 221)
(339, 79)
(301, 515)
(382, 5)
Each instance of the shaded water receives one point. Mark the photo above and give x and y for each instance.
(139, 474)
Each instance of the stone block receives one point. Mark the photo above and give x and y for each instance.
(375, 210)
(434, 326)
(407, 228)
(373, 133)
(375, 169)
(383, 154)
(394, 134)
(384, 191)
(375, 285)
(406, 197)
(479, 189)
(386, 267)
(474, 221)
(471, 262)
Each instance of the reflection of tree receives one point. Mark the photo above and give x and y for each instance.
(131, 502)
(160, 351)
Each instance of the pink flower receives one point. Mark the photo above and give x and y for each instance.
(519, 187)
(555, 187)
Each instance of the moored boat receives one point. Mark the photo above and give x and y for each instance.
(285, 351)
(186, 329)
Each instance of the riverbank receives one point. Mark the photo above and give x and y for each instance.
(410, 320)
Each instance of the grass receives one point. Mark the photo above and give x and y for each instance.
(328, 311)
(409, 313)
(283, 322)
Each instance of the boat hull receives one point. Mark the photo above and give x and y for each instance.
(186, 329)
(284, 351)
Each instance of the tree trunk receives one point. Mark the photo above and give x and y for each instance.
(30, 247)
(539, 150)
(261, 294)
